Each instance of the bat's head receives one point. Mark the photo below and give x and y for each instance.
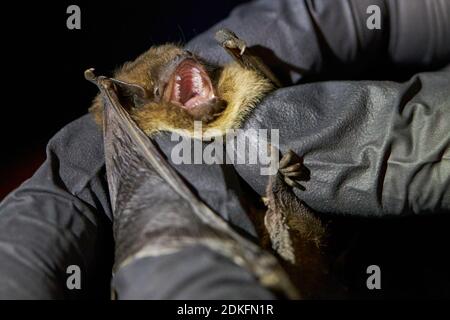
(168, 88)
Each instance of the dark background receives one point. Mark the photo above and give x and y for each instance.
(44, 63)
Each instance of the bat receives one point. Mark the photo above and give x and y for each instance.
(135, 169)
(165, 89)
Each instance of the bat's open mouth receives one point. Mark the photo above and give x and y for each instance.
(189, 85)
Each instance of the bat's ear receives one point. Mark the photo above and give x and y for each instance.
(131, 93)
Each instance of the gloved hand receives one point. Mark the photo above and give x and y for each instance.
(373, 148)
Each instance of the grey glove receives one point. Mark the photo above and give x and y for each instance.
(373, 148)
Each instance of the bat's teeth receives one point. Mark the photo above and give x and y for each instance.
(190, 85)
(197, 81)
(177, 87)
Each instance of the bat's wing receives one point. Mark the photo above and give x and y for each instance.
(155, 212)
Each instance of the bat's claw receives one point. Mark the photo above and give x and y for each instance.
(99, 81)
(292, 169)
(229, 40)
(243, 47)
(90, 75)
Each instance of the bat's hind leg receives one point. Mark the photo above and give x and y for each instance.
(288, 220)
(294, 231)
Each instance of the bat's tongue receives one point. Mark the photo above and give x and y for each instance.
(190, 85)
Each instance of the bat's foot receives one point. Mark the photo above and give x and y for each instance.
(292, 169)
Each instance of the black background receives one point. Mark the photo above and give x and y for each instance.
(44, 61)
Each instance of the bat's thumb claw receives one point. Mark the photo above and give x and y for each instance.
(224, 35)
(90, 75)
